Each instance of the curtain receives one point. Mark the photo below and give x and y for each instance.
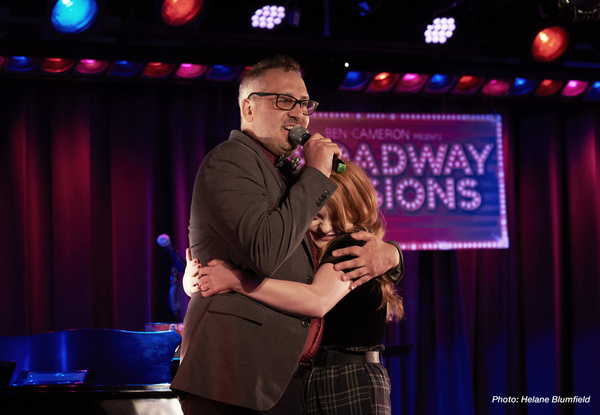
(92, 172)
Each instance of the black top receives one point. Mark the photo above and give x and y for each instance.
(357, 320)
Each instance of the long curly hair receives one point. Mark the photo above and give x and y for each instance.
(355, 202)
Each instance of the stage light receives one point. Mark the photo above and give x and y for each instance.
(57, 66)
(550, 44)
(267, 17)
(91, 67)
(548, 87)
(366, 7)
(581, 10)
(594, 93)
(190, 71)
(157, 70)
(411, 83)
(383, 82)
(178, 13)
(522, 87)
(124, 69)
(222, 73)
(245, 71)
(496, 88)
(440, 84)
(22, 65)
(574, 88)
(467, 85)
(355, 81)
(440, 30)
(73, 16)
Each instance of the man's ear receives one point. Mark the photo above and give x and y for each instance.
(247, 110)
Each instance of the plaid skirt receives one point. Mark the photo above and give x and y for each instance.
(349, 389)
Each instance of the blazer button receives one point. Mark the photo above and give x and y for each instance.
(309, 280)
(305, 323)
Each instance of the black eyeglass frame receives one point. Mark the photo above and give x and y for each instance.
(296, 101)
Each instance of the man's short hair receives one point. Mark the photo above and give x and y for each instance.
(253, 77)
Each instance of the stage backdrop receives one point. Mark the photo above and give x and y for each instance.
(439, 177)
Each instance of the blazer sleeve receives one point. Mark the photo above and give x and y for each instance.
(397, 273)
(243, 207)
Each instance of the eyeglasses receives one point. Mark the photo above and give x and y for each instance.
(287, 102)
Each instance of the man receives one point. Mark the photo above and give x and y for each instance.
(239, 356)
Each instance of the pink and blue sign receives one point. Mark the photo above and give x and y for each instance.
(439, 177)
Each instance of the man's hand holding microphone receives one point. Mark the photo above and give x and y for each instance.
(319, 152)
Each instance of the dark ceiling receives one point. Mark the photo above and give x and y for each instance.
(491, 36)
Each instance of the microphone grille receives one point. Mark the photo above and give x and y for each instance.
(163, 240)
(299, 135)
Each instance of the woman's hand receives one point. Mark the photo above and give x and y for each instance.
(220, 277)
(191, 274)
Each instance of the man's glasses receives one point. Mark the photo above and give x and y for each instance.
(287, 102)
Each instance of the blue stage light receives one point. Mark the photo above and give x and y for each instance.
(124, 69)
(73, 16)
(223, 73)
(355, 81)
(594, 92)
(522, 87)
(440, 84)
(22, 65)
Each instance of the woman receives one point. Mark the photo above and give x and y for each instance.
(354, 319)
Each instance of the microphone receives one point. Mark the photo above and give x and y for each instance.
(178, 261)
(300, 135)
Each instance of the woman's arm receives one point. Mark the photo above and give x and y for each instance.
(313, 300)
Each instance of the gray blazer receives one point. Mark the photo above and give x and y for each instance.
(234, 349)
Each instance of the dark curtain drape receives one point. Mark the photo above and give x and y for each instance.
(92, 172)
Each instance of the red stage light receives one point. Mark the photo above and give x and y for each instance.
(383, 82)
(181, 12)
(57, 65)
(550, 44)
(548, 87)
(468, 84)
(157, 70)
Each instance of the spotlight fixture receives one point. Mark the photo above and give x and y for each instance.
(57, 66)
(190, 71)
(411, 83)
(73, 16)
(467, 85)
(157, 70)
(267, 17)
(222, 73)
(594, 93)
(355, 81)
(550, 44)
(91, 67)
(124, 69)
(440, 30)
(522, 87)
(383, 82)
(366, 7)
(177, 13)
(581, 10)
(548, 87)
(574, 88)
(22, 65)
(440, 84)
(496, 88)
